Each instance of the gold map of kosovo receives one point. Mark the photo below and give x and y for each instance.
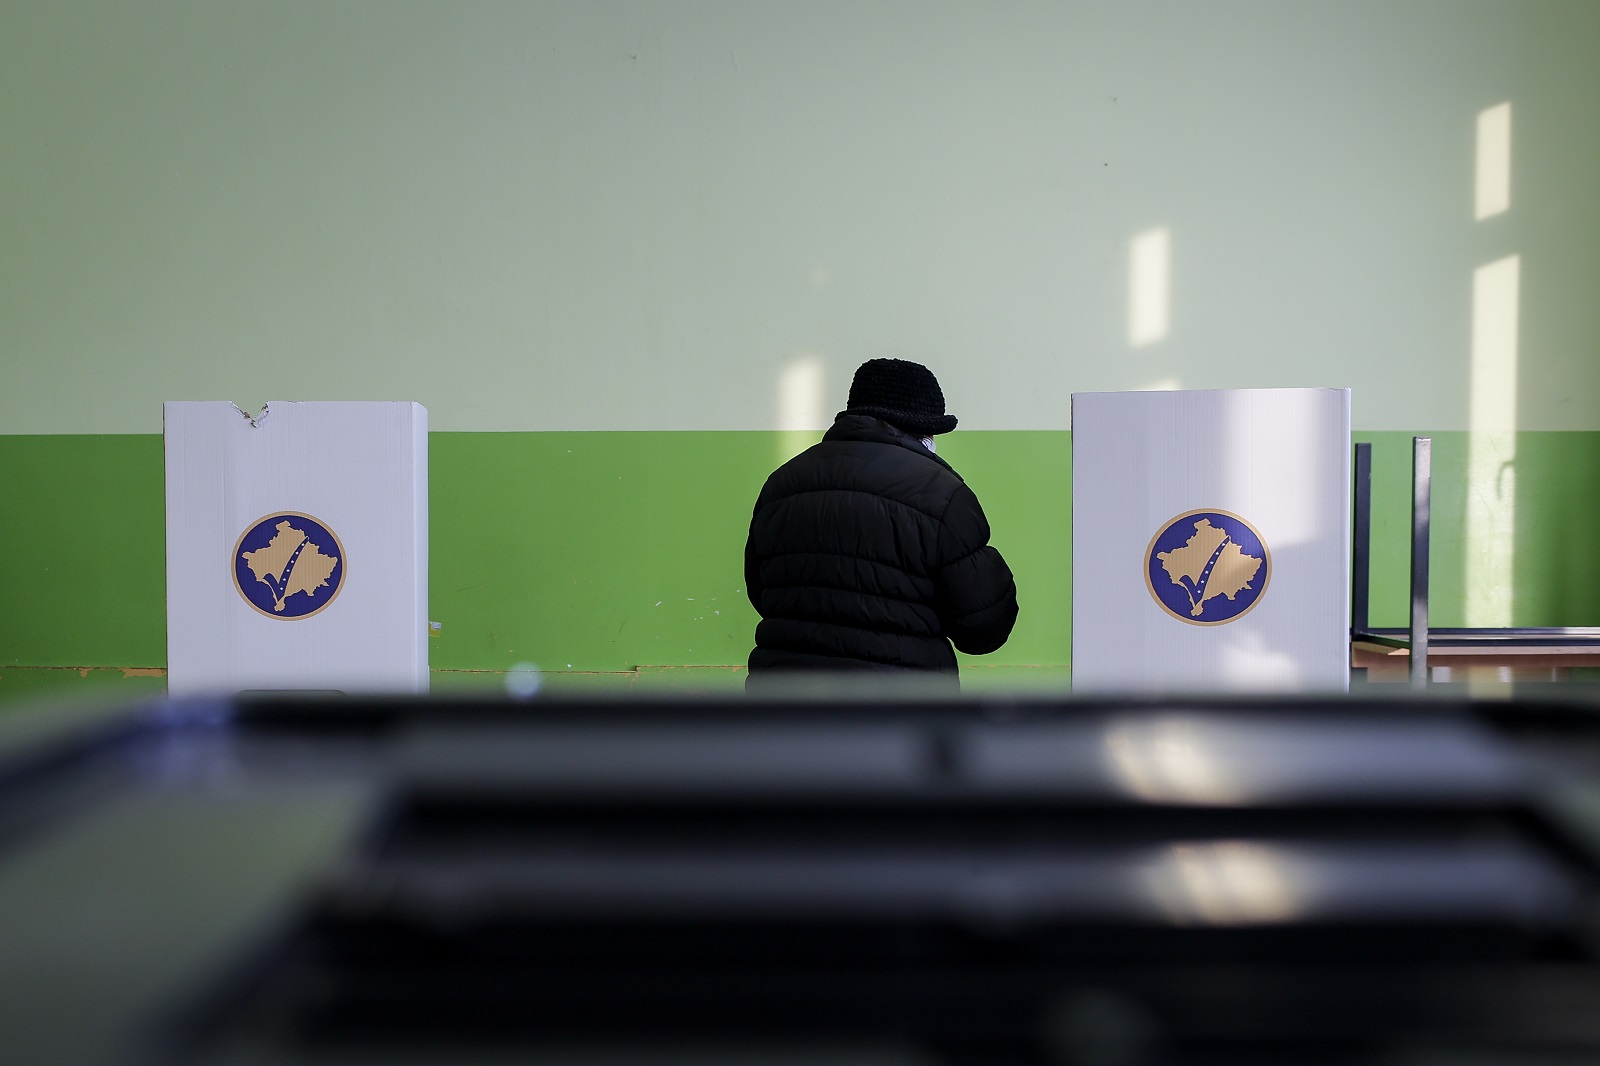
(1231, 570)
(310, 570)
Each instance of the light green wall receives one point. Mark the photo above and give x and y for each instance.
(565, 215)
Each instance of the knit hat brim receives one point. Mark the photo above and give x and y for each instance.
(924, 425)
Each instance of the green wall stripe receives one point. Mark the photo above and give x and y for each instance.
(620, 553)
(608, 551)
(82, 528)
(1555, 571)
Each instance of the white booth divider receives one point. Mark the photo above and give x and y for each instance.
(1211, 540)
(297, 547)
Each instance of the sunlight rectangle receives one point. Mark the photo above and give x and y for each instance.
(1149, 287)
(1495, 298)
(801, 413)
(1494, 161)
(1491, 452)
(800, 394)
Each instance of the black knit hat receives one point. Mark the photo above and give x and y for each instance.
(900, 392)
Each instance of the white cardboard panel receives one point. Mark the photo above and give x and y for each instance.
(1278, 458)
(360, 469)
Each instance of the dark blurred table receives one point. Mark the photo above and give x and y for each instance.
(835, 879)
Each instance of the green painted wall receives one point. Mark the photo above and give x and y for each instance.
(83, 524)
(1554, 572)
(616, 555)
(607, 551)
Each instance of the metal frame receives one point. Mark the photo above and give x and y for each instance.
(1420, 634)
(1421, 517)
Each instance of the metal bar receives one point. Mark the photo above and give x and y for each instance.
(1361, 552)
(1421, 505)
(1514, 637)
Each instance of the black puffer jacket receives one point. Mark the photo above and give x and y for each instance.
(867, 551)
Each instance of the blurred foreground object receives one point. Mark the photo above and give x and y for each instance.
(883, 880)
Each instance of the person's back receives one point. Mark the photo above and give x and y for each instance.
(867, 551)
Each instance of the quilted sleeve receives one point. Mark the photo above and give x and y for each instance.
(977, 596)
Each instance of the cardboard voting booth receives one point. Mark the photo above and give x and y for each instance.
(297, 547)
(1211, 540)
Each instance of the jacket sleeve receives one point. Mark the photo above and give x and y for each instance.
(977, 596)
(752, 565)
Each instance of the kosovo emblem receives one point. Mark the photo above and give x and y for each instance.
(288, 566)
(1207, 568)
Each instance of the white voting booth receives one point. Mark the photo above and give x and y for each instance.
(1211, 540)
(297, 547)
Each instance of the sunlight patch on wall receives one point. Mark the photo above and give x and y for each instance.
(1494, 161)
(1491, 457)
(801, 411)
(1149, 287)
(1495, 298)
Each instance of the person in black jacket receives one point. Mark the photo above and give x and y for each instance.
(869, 552)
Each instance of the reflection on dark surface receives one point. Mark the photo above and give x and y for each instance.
(847, 878)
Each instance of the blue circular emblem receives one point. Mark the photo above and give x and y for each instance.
(1207, 567)
(288, 565)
